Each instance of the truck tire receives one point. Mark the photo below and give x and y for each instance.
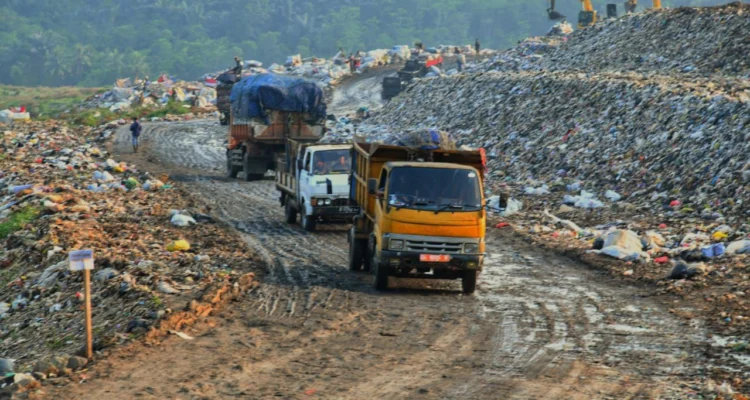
(381, 275)
(232, 170)
(308, 222)
(247, 171)
(356, 250)
(469, 281)
(290, 213)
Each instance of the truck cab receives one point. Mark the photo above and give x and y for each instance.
(317, 186)
(421, 219)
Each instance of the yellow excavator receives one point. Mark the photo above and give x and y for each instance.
(588, 16)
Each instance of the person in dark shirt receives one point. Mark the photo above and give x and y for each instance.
(476, 46)
(135, 133)
(238, 68)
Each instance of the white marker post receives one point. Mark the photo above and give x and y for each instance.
(83, 260)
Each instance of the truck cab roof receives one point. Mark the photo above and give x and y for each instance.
(420, 164)
(323, 147)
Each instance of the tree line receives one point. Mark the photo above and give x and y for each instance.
(94, 42)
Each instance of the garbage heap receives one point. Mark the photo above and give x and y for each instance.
(528, 55)
(703, 41)
(127, 93)
(154, 247)
(652, 141)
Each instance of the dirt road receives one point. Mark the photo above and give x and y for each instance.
(539, 327)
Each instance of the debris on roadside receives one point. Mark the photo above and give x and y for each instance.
(60, 191)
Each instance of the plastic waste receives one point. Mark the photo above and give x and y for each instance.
(182, 220)
(544, 189)
(131, 183)
(19, 188)
(738, 247)
(513, 207)
(612, 196)
(178, 245)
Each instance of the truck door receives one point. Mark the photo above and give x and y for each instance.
(304, 178)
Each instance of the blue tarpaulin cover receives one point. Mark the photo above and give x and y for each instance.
(256, 93)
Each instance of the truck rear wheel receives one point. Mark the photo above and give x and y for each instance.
(381, 275)
(469, 281)
(248, 172)
(356, 252)
(290, 213)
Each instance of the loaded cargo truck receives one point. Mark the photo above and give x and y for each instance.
(266, 111)
(416, 67)
(423, 213)
(313, 180)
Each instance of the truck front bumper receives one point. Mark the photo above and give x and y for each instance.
(336, 212)
(405, 260)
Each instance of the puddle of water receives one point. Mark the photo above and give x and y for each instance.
(627, 328)
(592, 314)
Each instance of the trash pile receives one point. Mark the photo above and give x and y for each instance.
(679, 147)
(14, 114)
(527, 55)
(153, 246)
(127, 93)
(703, 40)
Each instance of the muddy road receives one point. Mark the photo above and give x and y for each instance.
(539, 327)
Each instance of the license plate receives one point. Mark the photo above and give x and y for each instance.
(434, 258)
(348, 210)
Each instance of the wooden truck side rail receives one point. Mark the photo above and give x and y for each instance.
(368, 160)
(286, 168)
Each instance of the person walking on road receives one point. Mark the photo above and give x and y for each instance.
(460, 59)
(135, 133)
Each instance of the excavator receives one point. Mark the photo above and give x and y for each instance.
(587, 16)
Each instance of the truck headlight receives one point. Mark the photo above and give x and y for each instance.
(327, 202)
(471, 248)
(396, 244)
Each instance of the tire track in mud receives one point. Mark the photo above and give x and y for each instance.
(540, 326)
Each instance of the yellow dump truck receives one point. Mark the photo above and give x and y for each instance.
(423, 213)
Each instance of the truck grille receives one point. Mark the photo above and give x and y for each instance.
(340, 202)
(433, 247)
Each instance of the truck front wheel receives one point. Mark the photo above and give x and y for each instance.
(469, 281)
(308, 222)
(356, 252)
(381, 275)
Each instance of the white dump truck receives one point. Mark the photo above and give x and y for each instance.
(314, 181)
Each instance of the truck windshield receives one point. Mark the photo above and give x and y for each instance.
(434, 189)
(327, 162)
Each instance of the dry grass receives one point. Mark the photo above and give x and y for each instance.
(44, 101)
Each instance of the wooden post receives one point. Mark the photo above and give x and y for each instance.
(83, 260)
(89, 329)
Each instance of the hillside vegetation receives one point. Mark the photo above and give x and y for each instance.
(93, 42)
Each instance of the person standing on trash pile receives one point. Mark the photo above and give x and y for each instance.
(135, 132)
(630, 6)
(476, 46)
(460, 59)
(238, 68)
(352, 63)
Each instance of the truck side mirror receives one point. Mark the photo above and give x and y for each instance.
(372, 186)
